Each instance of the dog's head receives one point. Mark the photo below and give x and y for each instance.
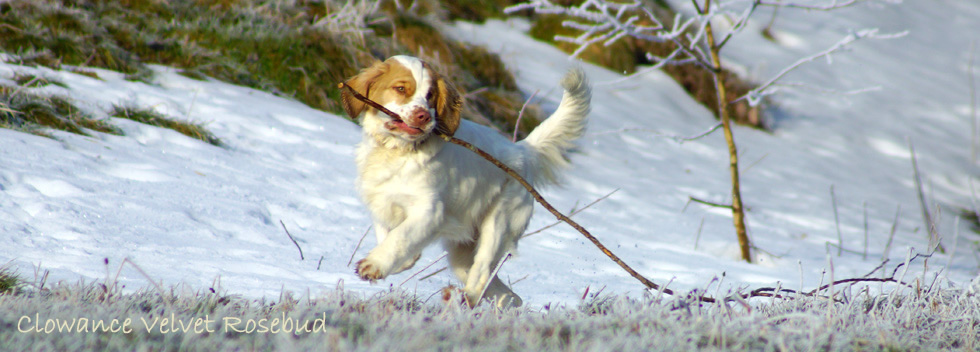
(411, 89)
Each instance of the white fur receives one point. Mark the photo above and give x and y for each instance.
(420, 191)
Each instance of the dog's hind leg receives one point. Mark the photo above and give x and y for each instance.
(498, 233)
(461, 261)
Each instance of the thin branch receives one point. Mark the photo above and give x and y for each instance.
(517, 124)
(761, 292)
(840, 239)
(433, 273)
(891, 235)
(493, 274)
(292, 239)
(423, 269)
(573, 213)
(973, 102)
(929, 222)
(713, 204)
(352, 254)
(755, 95)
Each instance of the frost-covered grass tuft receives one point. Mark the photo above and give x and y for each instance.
(340, 320)
(32, 81)
(151, 117)
(33, 113)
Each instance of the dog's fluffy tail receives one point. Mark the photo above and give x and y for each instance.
(548, 142)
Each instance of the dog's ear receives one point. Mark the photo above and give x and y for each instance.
(449, 105)
(362, 84)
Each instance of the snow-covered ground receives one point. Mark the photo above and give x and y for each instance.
(188, 212)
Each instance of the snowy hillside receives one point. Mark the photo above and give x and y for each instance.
(188, 212)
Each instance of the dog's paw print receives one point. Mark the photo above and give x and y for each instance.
(368, 271)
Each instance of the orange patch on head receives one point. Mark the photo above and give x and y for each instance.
(392, 82)
(382, 82)
(448, 103)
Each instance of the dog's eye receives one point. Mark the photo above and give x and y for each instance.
(428, 97)
(400, 89)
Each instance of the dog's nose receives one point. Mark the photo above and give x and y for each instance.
(421, 117)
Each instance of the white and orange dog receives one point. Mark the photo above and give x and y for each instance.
(420, 188)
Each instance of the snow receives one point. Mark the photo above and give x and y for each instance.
(187, 212)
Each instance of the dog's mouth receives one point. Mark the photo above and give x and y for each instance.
(398, 124)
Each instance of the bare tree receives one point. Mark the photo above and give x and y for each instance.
(696, 42)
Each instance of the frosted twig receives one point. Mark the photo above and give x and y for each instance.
(433, 273)
(697, 237)
(676, 138)
(517, 124)
(891, 235)
(755, 96)
(930, 223)
(444, 254)
(865, 255)
(292, 239)
(353, 253)
(138, 268)
(973, 102)
(840, 239)
(956, 240)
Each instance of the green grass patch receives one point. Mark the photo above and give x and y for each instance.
(32, 81)
(10, 283)
(25, 111)
(151, 117)
(299, 49)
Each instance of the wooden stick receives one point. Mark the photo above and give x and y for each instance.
(760, 292)
(527, 186)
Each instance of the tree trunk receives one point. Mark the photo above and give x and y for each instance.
(738, 215)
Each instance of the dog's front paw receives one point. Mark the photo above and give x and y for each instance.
(368, 271)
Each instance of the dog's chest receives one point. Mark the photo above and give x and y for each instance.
(390, 181)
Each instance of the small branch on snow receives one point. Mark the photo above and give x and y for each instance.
(761, 292)
(292, 239)
(353, 253)
(433, 273)
(573, 213)
(425, 268)
(929, 222)
(840, 239)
